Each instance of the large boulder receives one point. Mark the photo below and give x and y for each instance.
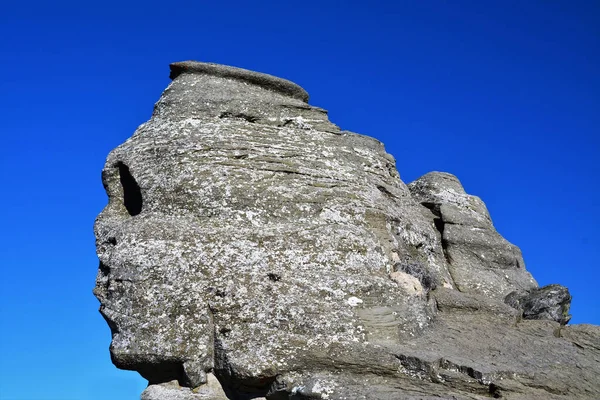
(252, 249)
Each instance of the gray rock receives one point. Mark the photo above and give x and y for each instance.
(550, 302)
(211, 390)
(454, 302)
(479, 259)
(252, 249)
(217, 207)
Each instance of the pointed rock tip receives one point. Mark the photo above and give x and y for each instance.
(269, 82)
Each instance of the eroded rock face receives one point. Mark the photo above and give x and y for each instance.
(252, 249)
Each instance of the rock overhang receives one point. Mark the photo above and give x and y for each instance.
(266, 81)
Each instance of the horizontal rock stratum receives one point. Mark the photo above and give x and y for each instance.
(251, 249)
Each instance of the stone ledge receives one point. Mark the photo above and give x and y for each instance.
(265, 81)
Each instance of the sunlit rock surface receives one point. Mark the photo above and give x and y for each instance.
(478, 258)
(252, 249)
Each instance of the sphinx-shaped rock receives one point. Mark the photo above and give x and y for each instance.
(240, 220)
(252, 249)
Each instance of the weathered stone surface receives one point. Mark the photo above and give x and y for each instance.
(211, 390)
(252, 249)
(549, 302)
(479, 259)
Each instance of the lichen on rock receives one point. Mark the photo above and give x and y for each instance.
(252, 249)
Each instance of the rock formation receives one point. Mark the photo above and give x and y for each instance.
(251, 249)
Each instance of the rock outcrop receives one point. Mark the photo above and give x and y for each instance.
(550, 302)
(479, 260)
(252, 249)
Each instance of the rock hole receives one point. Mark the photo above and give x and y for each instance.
(132, 194)
(225, 331)
(274, 277)
(494, 391)
(249, 118)
(112, 241)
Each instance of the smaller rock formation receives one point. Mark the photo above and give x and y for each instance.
(479, 259)
(550, 302)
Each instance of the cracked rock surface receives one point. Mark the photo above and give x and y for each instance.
(251, 249)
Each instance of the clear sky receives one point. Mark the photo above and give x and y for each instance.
(504, 94)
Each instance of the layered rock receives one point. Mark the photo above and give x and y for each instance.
(250, 248)
(479, 259)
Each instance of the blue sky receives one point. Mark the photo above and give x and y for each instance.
(504, 94)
